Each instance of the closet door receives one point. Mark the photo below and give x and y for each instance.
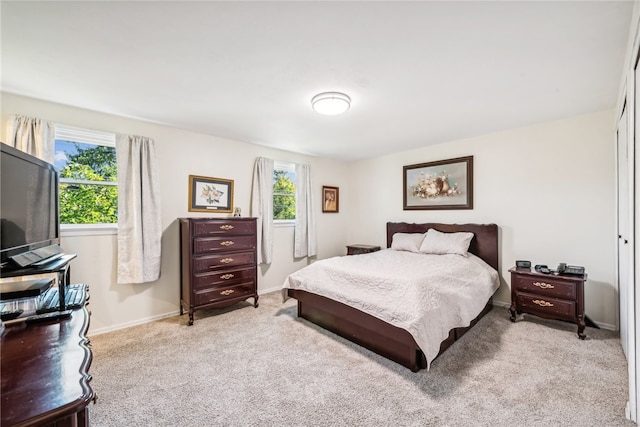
(624, 219)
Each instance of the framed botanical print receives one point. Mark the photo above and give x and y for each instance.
(210, 194)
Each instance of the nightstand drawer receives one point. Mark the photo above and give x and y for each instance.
(545, 286)
(552, 307)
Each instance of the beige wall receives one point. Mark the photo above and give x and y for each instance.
(181, 153)
(549, 187)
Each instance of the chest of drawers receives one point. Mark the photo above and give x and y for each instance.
(217, 263)
(548, 296)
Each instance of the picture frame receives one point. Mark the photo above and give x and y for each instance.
(330, 199)
(208, 194)
(443, 184)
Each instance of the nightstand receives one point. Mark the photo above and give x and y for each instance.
(361, 249)
(551, 296)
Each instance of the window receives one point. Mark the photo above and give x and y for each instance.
(284, 192)
(86, 160)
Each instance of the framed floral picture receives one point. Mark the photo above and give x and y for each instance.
(443, 184)
(330, 199)
(210, 194)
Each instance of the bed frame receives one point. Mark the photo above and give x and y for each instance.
(381, 337)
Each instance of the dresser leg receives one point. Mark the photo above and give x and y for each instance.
(190, 317)
(512, 309)
(255, 301)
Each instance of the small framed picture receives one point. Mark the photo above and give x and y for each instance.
(330, 199)
(443, 184)
(210, 194)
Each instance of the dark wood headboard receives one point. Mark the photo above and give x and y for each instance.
(484, 243)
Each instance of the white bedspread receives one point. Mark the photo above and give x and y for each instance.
(428, 295)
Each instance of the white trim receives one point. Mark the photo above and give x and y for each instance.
(133, 323)
(153, 318)
(75, 230)
(83, 182)
(73, 134)
(280, 223)
(284, 166)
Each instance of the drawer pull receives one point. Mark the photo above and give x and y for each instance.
(227, 243)
(543, 285)
(226, 227)
(226, 260)
(542, 303)
(226, 276)
(227, 292)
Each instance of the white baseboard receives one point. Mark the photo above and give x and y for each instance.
(133, 323)
(154, 318)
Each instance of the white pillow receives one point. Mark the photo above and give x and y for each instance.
(407, 241)
(439, 243)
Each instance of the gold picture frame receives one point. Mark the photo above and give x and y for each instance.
(208, 194)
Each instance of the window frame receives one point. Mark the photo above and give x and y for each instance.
(288, 167)
(94, 137)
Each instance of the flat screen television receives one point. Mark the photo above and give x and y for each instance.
(28, 205)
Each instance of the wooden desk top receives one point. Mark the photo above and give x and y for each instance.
(45, 370)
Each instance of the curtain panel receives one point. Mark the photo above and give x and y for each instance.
(262, 207)
(139, 221)
(32, 135)
(305, 242)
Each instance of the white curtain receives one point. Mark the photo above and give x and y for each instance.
(33, 136)
(305, 243)
(139, 222)
(262, 207)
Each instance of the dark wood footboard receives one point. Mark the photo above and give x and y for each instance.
(368, 331)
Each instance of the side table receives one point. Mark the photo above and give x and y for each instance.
(551, 296)
(361, 249)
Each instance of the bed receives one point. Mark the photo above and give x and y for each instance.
(380, 336)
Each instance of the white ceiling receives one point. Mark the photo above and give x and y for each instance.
(418, 73)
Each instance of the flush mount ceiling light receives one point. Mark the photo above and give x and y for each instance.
(330, 103)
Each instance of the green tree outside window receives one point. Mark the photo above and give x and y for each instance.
(91, 202)
(284, 196)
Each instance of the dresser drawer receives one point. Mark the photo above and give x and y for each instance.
(545, 286)
(224, 278)
(221, 294)
(204, 245)
(212, 262)
(537, 304)
(214, 227)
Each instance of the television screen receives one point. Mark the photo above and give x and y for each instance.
(28, 203)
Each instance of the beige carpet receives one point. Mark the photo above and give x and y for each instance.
(246, 366)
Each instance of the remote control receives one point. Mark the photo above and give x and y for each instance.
(48, 316)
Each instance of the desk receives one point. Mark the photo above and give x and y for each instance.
(45, 379)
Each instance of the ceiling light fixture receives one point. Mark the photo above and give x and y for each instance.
(330, 103)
